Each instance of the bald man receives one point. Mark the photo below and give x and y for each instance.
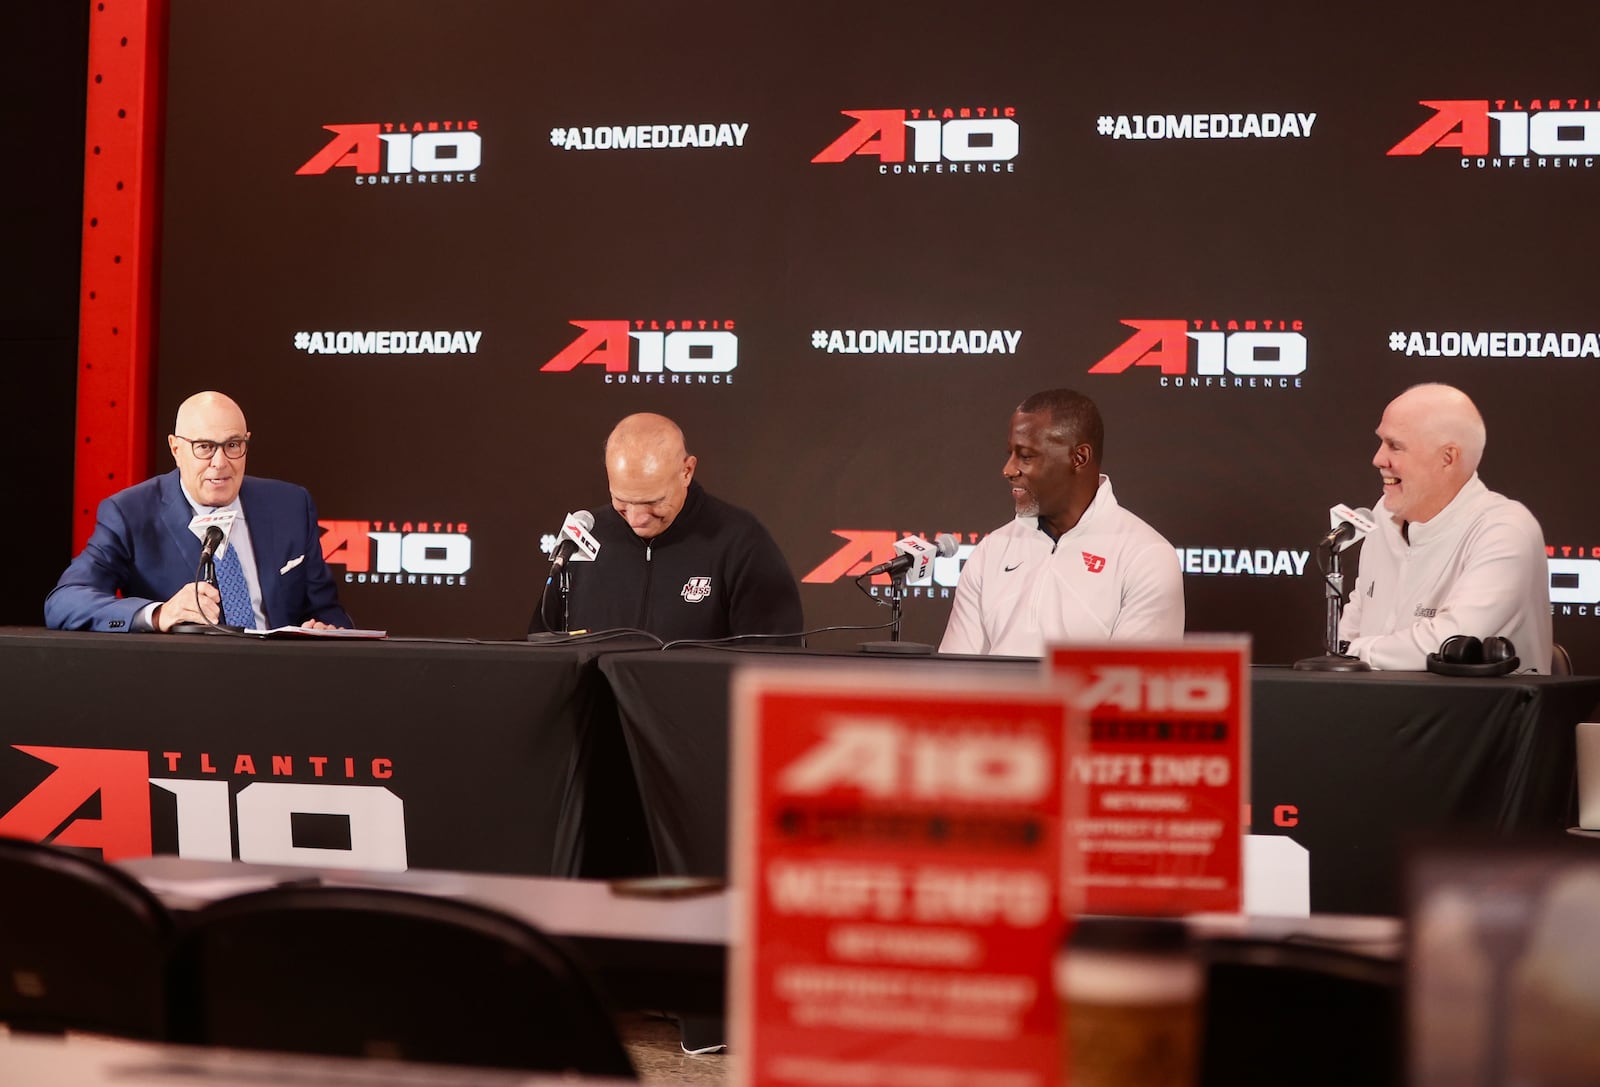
(673, 559)
(1449, 556)
(137, 572)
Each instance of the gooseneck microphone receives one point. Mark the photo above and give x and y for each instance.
(212, 529)
(575, 537)
(914, 563)
(917, 553)
(1348, 526)
(213, 539)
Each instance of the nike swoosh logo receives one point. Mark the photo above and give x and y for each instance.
(1008, 569)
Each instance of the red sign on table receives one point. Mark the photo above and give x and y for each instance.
(897, 850)
(1157, 781)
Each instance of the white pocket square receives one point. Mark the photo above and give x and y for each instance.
(292, 563)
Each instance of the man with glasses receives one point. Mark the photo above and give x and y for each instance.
(138, 570)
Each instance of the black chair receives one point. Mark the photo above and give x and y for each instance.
(378, 973)
(1305, 1014)
(82, 945)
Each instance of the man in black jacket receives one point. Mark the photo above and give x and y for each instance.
(674, 560)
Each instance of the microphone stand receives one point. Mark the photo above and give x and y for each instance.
(1333, 660)
(897, 595)
(208, 574)
(563, 579)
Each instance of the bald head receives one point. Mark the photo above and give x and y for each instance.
(1448, 417)
(1431, 441)
(645, 439)
(214, 419)
(648, 469)
(206, 407)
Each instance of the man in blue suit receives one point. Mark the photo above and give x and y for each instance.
(137, 573)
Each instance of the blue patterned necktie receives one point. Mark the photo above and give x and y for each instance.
(236, 610)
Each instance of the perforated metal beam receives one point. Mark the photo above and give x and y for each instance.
(121, 220)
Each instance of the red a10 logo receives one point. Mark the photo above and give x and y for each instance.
(1246, 353)
(882, 132)
(350, 544)
(368, 150)
(261, 814)
(882, 757)
(1464, 123)
(684, 351)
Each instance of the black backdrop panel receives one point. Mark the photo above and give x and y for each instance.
(1009, 200)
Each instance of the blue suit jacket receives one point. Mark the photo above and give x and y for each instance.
(142, 547)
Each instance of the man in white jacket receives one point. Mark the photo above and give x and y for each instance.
(1074, 565)
(1449, 555)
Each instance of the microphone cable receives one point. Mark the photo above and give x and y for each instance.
(725, 643)
(587, 637)
(209, 626)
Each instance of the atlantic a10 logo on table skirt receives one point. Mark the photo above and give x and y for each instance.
(1509, 133)
(1237, 353)
(676, 351)
(263, 798)
(947, 140)
(398, 552)
(401, 153)
(864, 548)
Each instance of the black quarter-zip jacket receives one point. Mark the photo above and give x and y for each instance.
(715, 572)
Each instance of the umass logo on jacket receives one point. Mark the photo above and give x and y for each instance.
(696, 589)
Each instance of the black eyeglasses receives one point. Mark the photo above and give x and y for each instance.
(204, 449)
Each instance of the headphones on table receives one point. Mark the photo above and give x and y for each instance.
(1464, 655)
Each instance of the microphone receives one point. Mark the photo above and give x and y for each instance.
(213, 540)
(575, 537)
(1347, 526)
(212, 529)
(916, 553)
(204, 524)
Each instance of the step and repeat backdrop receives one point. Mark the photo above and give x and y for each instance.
(437, 250)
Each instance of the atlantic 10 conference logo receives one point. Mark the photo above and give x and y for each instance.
(401, 153)
(1574, 580)
(398, 552)
(1505, 133)
(1237, 353)
(218, 804)
(697, 351)
(949, 140)
(864, 548)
